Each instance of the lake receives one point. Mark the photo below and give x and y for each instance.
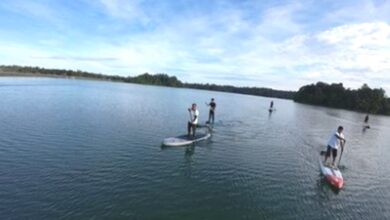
(79, 149)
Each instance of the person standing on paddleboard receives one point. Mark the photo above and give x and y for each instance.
(194, 115)
(366, 119)
(366, 125)
(337, 139)
(271, 107)
(212, 106)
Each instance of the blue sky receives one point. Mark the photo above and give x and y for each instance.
(279, 44)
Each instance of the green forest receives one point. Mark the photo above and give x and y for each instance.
(148, 79)
(364, 99)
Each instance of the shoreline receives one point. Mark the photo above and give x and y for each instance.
(304, 95)
(54, 76)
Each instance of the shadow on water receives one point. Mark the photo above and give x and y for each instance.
(189, 151)
(342, 167)
(365, 127)
(333, 113)
(229, 123)
(270, 111)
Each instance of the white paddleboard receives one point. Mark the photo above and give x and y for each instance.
(183, 140)
(332, 175)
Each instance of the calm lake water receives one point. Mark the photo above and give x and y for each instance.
(76, 149)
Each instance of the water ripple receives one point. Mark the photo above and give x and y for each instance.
(92, 150)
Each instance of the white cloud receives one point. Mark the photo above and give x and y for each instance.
(272, 48)
(353, 54)
(279, 20)
(128, 10)
(359, 12)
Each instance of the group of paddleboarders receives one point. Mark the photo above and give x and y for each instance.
(337, 140)
(194, 117)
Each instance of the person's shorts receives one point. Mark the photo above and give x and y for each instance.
(192, 124)
(331, 149)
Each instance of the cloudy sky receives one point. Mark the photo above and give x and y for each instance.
(267, 43)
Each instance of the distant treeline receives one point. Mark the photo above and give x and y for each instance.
(156, 79)
(335, 95)
(243, 90)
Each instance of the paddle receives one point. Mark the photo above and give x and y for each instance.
(342, 150)
(189, 112)
(208, 121)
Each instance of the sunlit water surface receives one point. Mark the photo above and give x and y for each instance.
(76, 149)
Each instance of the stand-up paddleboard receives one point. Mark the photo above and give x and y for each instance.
(183, 140)
(332, 175)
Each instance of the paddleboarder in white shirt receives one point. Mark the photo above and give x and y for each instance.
(335, 141)
(194, 118)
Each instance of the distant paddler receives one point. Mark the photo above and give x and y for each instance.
(366, 125)
(271, 106)
(194, 118)
(336, 141)
(212, 106)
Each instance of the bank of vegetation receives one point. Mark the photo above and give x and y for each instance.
(148, 79)
(364, 99)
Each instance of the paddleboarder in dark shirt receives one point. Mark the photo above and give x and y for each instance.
(271, 107)
(212, 106)
(366, 125)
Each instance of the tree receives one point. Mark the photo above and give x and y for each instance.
(335, 95)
